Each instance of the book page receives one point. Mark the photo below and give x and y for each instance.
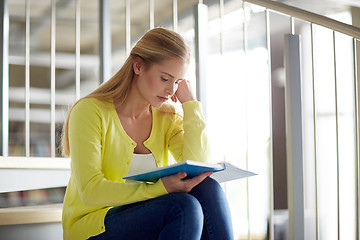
(231, 172)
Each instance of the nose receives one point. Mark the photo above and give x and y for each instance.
(171, 88)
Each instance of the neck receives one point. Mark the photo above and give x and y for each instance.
(132, 107)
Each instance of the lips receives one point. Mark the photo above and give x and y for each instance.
(163, 99)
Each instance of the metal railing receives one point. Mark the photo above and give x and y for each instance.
(353, 33)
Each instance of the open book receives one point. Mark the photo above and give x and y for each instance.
(222, 172)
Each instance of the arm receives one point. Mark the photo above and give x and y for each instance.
(189, 139)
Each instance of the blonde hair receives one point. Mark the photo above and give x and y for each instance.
(156, 46)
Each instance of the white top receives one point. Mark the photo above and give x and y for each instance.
(142, 163)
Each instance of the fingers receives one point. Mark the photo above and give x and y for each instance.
(184, 92)
(176, 183)
(180, 175)
(173, 183)
(192, 182)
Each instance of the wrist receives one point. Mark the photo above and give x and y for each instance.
(188, 100)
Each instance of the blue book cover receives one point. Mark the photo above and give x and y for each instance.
(192, 169)
(222, 172)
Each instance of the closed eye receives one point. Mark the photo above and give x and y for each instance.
(164, 79)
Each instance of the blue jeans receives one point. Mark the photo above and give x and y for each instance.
(201, 214)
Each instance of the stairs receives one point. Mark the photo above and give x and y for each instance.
(40, 222)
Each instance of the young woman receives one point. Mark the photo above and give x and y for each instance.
(126, 125)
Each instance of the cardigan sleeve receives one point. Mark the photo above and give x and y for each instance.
(86, 130)
(189, 140)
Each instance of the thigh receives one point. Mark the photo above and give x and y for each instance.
(154, 219)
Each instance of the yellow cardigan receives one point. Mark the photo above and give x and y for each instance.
(101, 153)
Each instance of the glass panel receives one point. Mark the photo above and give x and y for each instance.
(163, 14)
(326, 133)
(16, 109)
(238, 112)
(89, 42)
(185, 27)
(279, 26)
(257, 89)
(304, 30)
(139, 20)
(40, 83)
(17, 79)
(328, 166)
(40, 41)
(118, 39)
(347, 160)
(64, 67)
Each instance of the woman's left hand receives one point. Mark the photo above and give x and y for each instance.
(184, 92)
(177, 183)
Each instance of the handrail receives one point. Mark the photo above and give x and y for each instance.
(309, 16)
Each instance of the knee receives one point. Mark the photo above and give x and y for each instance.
(188, 206)
(210, 182)
(208, 185)
(184, 217)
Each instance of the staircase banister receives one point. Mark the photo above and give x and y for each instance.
(327, 22)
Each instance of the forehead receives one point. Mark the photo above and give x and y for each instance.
(173, 68)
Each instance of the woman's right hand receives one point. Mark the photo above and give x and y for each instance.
(176, 183)
(184, 92)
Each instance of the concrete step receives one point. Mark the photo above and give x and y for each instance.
(41, 222)
(22, 173)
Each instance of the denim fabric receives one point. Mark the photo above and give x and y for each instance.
(201, 214)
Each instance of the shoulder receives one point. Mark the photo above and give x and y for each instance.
(90, 107)
(85, 104)
(93, 102)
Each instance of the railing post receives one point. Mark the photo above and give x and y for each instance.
(105, 41)
(4, 74)
(201, 18)
(294, 137)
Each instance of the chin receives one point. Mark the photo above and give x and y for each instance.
(157, 104)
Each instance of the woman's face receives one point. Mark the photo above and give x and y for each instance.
(158, 83)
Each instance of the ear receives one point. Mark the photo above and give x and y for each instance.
(137, 65)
